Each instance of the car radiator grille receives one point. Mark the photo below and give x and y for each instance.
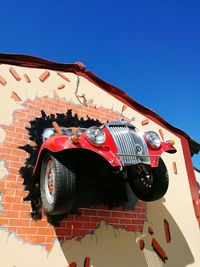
(131, 145)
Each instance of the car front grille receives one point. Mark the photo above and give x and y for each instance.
(130, 143)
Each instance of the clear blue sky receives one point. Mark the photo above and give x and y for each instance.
(149, 49)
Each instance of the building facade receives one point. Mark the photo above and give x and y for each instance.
(160, 233)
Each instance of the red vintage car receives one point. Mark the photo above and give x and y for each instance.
(117, 147)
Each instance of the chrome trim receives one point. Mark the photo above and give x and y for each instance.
(130, 143)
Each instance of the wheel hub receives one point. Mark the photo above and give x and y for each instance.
(50, 182)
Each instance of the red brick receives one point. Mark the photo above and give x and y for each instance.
(39, 223)
(20, 193)
(10, 214)
(12, 229)
(11, 199)
(44, 76)
(138, 222)
(129, 215)
(7, 207)
(35, 239)
(46, 231)
(79, 232)
(87, 262)
(63, 76)
(27, 78)
(13, 184)
(82, 218)
(89, 225)
(174, 167)
(145, 122)
(50, 239)
(125, 221)
(77, 225)
(2, 80)
(62, 86)
(8, 192)
(117, 214)
(88, 212)
(104, 213)
(112, 220)
(25, 215)
(4, 221)
(17, 222)
(48, 247)
(27, 230)
(132, 228)
(14, 74)
(21, 207)
(72, 264)
(5, 150)
(64, 232)
(15, 97)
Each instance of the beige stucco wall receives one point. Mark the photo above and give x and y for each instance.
(107, 246)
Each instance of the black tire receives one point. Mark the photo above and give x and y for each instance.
(159, 184)
(59, 196)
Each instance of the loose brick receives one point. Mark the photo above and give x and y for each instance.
(174, 167)
(14, 74)
(15, 97)
(28, 80)
(60, 87)
(44, 76)
(2, 80)
(63, 76)
(145, 122)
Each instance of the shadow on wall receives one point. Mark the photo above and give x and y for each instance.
(117, 247)
(91, 189)
(173, 243)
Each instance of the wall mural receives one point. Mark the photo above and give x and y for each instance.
(90, 188)
(79, 164)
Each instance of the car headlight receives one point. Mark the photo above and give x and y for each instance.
(96, 135)
(153, 139)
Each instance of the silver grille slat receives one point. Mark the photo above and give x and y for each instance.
(127, 139)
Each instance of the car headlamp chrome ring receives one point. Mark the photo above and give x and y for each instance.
(153, 139)
(96, 135)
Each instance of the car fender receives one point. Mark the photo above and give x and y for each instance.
(155, 154)
(58, 144)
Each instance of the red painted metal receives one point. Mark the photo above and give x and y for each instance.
(108, 150)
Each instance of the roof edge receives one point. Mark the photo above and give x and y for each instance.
(79, 68)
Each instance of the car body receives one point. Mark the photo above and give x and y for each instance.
(125, 149)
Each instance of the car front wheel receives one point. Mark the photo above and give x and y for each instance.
(150, 185)
(57, 186)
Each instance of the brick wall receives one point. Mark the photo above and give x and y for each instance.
(15, 213)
